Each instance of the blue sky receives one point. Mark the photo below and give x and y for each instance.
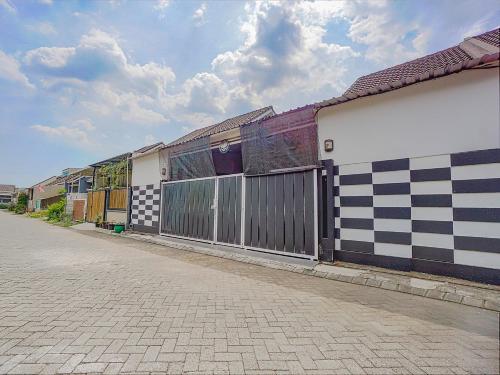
(85, 80)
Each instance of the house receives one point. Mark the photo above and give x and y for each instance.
(249, 182)
(41, 192)
(77, 184)
(151, 164)
(416, 153)
(7, 193)
(108, 199)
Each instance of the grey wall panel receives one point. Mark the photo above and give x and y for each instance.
(289, 205)
(280, 212)
(271, 212)
(237, 227)
(262, 212)
(248, 212)
(255, 212)
(298, 197)
(309, 192)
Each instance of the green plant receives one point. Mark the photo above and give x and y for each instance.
(56, 210)
(113, 174)
(22, 203)
(38, 214)
(4, 206)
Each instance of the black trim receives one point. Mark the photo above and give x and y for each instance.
(391, 165)
(476, 157)
(432, 226)
(397, 188)
(135, 188)
(356, 223)
(356, 179)
(431, 174)
(485, 215)
(149, 187)
(336, 211)
(392, 212)
(146, 229)
(336, 233)
(357, 246)
(356, 201)
(431, 200)
(156, 191)
(483, 244)
(396, 263)
(335, 170)
(400, 238)
(484, 185)
(479, 274)
(432, 253)
(336, 191)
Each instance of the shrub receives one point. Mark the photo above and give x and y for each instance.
(39, 214)
(55, 211)
(4, 206)
(22, 204)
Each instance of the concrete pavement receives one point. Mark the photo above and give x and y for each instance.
(86, 303)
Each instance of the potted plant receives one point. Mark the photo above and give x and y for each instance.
(119, 227)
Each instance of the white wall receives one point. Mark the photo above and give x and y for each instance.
(451, 114)
(146, 170)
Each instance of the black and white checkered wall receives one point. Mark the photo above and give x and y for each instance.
(145, 210)
(439, 214)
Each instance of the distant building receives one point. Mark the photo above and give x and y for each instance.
(7, 194)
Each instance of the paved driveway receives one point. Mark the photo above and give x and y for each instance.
(75, 302)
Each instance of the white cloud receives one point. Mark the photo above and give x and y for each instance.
(161, 7)
(10, 70)
(44, 28)
(199, 15)
(6, 4)
(65, 133)
(46, 2)
(99, 57)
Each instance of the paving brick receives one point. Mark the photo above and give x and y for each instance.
(110, 304)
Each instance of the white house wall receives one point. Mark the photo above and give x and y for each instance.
(145, 206)
(417, 177)
(451, 114)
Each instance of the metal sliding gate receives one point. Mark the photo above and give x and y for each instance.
(275, 213)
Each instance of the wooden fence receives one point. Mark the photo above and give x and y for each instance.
(118, 199)
(95, 205)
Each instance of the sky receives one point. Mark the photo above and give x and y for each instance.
(81, 81)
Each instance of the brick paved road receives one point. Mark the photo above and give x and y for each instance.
(73, 302)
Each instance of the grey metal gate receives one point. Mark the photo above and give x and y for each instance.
(281, 213)
(274, 213)
(187, 209)
(229, 206)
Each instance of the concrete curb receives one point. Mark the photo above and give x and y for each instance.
(485, 298)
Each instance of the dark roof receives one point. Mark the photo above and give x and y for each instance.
(491, 37)
(10, 188)
(147, 148)
(410, 69)
(231, 123)
(114, 159)
(466, 55)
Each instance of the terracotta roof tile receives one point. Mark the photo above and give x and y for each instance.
(409, 70)
(445, 62)
(231, 123)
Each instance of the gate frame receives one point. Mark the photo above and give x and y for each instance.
(214, 207)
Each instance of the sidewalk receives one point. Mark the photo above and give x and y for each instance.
(425, 285)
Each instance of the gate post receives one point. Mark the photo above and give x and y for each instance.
(326, 208)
